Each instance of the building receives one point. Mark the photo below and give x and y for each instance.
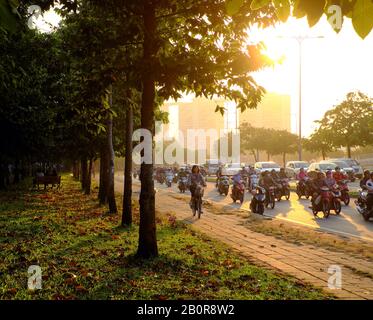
(199, 113)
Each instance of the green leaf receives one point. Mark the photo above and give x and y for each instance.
(282, 9)
(8, 18)
(257, 4)
(314, 10)
(233, 6)
(362, 17)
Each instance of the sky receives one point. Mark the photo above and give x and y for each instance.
(332, 66)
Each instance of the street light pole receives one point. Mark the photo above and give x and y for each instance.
(300, 40)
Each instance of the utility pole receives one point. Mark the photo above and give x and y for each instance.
(300, 40)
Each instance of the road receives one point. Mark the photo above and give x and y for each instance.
(349, 223)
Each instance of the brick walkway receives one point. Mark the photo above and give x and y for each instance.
(304, 262)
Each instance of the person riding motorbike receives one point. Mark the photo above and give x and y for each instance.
(302, 175)
(364, 180)
(369, 187)
(274, 175)
(219, 173)
(282, 174)
(195, 178)
(317, 183)
(182, 173)
(329, 180)
(338, 175)
(266, 181)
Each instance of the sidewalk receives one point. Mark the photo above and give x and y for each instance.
(304, 262)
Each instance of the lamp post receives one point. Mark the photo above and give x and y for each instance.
(300, 40)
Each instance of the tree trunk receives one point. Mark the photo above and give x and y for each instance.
(323, 154)
(254, 155)
(147, 233)
(88, 182)
(84, 169)
(104, 172)
(257, 155)
(284, 158)
(111, 193)
(268, 156)
(348, 151)
(127, 194)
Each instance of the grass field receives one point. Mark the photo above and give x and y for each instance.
(85, 254)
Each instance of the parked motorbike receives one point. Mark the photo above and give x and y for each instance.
(270, 199)
(303, 188)
(183, 184)
(238, 192)
(361, 205)
(322, 203)
(283, 189)
(223, 185)
(345, 196)
(197, 200)
(258, 201)
(335, 199)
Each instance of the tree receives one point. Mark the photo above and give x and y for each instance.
(347, 124)
(359, 11)
(318, 142)
(252, 139)
(282, 142)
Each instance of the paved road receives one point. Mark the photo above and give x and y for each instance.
(349, 223)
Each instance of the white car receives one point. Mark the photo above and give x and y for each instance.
(267, 166)
(358, 170)
(230, 169)
(293, 167)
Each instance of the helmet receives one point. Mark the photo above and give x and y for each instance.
(337, 168)
(328, 173)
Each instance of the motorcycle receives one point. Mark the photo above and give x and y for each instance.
(303, 188)
(238, 192)
(345, 196)
(258, 200)
(196, 204)
(169, 179)
(270, 198)
(362, 207)
(283, 189)
(335, 199)
(182, 184)
(223, 185)
(322, 203)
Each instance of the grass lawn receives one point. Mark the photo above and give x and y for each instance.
(85, 254)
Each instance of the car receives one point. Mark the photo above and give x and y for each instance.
(292, 168)
(323, 167)
(266, 166)
(358, 169)
(212, 166)
(230, 169)
(345, 168)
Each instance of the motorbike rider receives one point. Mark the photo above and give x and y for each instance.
(329, 180)
(274, 175)
(266, 181)
(219, 174)
(338, 175)
(317, 183)
(302, 175)
(369, 187)
(364, 180)
(195, 178)
(282, 174)
(182, 173)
